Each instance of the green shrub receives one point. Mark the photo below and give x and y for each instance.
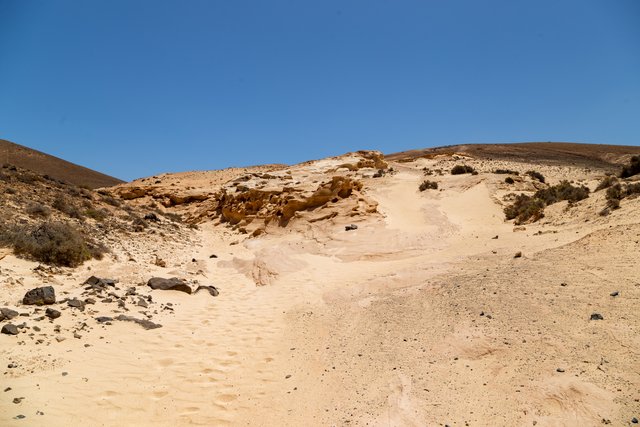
(461, 169)
(633, 168)
(52, 243)
(536, 175)
(562, 191)
(525, 208)
(428, 185)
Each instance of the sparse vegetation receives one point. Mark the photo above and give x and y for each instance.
(536, 175)
(63, 205)
(52, 243)
(97, 214)
(428, 185)
(617, 192)
(38, 210)
(461, 169)
(633, 168)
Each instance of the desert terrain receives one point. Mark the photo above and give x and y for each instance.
(335, 292)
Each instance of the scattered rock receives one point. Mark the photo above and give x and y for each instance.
(7, 389)
(518, 255)
(7, 313)
(213, 256)
(152, 217)
(147, 324)
(17, 400)
(614, 293)
(142, 303)
(494, 237)
(160, 262)
(104, 319)
(98, 283)
(52, 313)
(10, 329)
(60, 339)
(213, 291)
(19, 417)
(173, 284)
(350, 227)
(560, 370)
(634, 420)
(597, 316)
(563, 284)
(40, 296)
(89, 301)
(76, 303)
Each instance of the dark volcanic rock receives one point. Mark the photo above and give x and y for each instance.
(7, 313)
(93, 280)
(597, 316)
(350, 227)
(52, 314)
(173, 284)
(40, 296)
(10, 329)
(211, 289)
(76, 303)
(147, 324)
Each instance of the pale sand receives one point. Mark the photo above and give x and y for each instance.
(376, 326)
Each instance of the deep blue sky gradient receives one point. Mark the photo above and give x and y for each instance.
(137, 87)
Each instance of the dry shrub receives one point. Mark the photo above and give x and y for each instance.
(63, 205)
(428, 185)
(633, 168)
(97, 214)
(461, 169)
(536, 175)
(53, 243)
(506, 172)
(606, 183)
(39, 210)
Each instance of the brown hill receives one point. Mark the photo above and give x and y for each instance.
(45, 164)
(552, 153)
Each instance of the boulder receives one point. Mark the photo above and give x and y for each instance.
(7, 313)
(173, 284)
(40, 296)
(10, 329)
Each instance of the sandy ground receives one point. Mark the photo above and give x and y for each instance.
(421, 316)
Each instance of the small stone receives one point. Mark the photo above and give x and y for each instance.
(36, 328)
(17, 400)
(287, 377)
(12, 365)
(563, 284)
(213, 291)
(213, 256)
(77, 335)
(104, 319)
(52, 314)
(142, 303)
(19, 417)
(597, 316)
(614, 293)
(10, 329)
(518, 255)
(634, 420)
(89, 301)
(350, 227)
(7, 389)
(560, 370)
(64, 374)
(60, 339)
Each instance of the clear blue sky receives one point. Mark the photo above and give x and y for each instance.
(138, 87)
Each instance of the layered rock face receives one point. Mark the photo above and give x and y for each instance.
(252, 199)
